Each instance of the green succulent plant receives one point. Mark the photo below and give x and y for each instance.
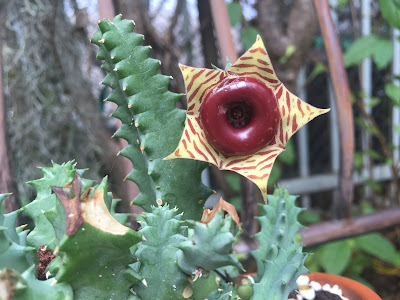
(78, 247)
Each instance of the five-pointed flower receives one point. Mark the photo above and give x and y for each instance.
(240, 119)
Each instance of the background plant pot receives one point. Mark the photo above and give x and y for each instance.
(350, 288)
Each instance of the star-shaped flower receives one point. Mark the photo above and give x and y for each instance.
(240, 119)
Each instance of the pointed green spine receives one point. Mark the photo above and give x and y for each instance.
(28, 287)
(279, 258)
(209, 246)
(14, 252)
(157, 260)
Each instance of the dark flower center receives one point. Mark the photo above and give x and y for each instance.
(239, 114)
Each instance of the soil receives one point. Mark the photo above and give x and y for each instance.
(324, 295)
(320, 295)
(45, 257)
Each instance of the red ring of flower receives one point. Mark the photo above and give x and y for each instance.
(261, 129)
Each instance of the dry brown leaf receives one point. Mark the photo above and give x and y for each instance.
(88, 207)
(208, 214)
(71, 205)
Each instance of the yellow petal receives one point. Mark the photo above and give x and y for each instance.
(256, 63)
(198, 82)
(294, 112)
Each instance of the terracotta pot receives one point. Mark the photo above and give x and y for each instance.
(350, 288)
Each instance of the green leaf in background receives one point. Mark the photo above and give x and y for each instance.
(235, 13)
(312, 261)
(389, 161)
(275, 175)
(358, 161)
(391, 11)
(307, 217)
(248, 36)
(237, 203)
(366, 207)
(359, 50)
(373, 154)
(378, 246)
(353, 98)
(290, 50)
(381, 51)
(342, 4)
(393, 92)
(373, 101)
(289, 155)
(335, 256)
(233, 180)
(359, 262)
(376, 186)
(363, 123)
(318, 69)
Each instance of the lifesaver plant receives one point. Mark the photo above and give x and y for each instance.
(239, 119)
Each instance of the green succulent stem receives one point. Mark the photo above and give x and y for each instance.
(279, 258)
(151, 123)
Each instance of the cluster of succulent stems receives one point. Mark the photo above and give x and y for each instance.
(238, 119)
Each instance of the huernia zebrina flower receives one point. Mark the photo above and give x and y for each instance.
(240, 119)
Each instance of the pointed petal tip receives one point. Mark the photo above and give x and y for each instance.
(325, 110)
(182, 67)
(263, 190)
(169, 157)
(265, 198)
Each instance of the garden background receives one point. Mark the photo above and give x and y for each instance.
(51, 108)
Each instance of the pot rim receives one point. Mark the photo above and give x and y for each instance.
(349, 287)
